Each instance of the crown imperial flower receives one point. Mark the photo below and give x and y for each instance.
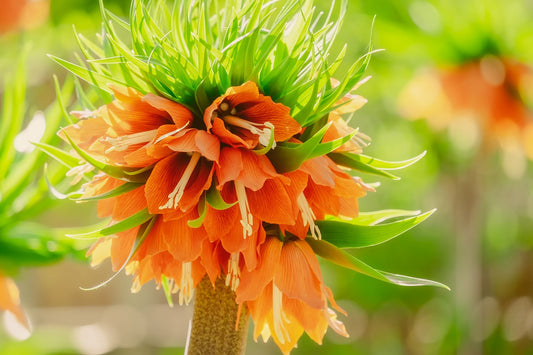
(223, 154)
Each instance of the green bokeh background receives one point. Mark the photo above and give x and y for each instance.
(490, 307)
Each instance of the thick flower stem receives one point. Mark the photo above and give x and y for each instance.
(213, 325)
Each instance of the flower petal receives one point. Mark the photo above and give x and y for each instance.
(296, 275)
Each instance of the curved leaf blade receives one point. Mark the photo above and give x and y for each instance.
(350, 234)
(340, 257)
(128, 223)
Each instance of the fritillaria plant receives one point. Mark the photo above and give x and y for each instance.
(223, 160)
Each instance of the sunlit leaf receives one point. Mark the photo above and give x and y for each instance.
(342, 258)
(128, 223)
(350, 234)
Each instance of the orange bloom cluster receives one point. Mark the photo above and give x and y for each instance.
(491, 91)
(22, 14)
(256, 240)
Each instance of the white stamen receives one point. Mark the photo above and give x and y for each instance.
(247, 219)
(83, 115)
(308, 216)
(364, 185)
(278, 316)
(122, 143)
(334, 323)
(136, 285)
(171, 133)
(263, 130)
(175, 196)
(78, 172)
(234, 272)
(360, 140)
(186, 284)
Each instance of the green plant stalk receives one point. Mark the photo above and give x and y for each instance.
(214, 330)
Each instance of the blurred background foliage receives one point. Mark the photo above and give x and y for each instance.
(446, 83)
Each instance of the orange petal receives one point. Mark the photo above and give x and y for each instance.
(229, 166)
(129, 203)
(154, 243)
(256, 169)
(296, 274)
(235, 140)
(179, 113)
(312, 320)
(193, 140)
(251, 251)
(265, 110)
(254, 281)
(212, 257)
(318, 170)
(271, 203)
(219, 223)
(166, 175)
(10, 300)
(121, 246)
(125, 94)
(183, 242)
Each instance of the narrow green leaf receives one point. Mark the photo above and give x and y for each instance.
(342, 258)
(113, 171)
(202, 211)
(167, 289)
(94, 78)
(143, 232)
(389, 165)
(122, 189)
(349, 234)
(215, 200)
(128, 223)
(354, 161)
(61, 156)
(287, 156)
(375, 217)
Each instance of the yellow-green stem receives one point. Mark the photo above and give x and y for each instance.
(215, 316)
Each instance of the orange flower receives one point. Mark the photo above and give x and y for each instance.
(10, 300)
(489, 92)
(189, 159)
(286, 295)
(244, 118)
(22, 14)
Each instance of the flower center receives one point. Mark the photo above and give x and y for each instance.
(264, 131)
(308, 216)
(247, 219)
(122, 143)
(175, 196)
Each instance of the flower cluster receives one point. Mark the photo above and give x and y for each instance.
(255, 237)
(491, 92)
(222, 152)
